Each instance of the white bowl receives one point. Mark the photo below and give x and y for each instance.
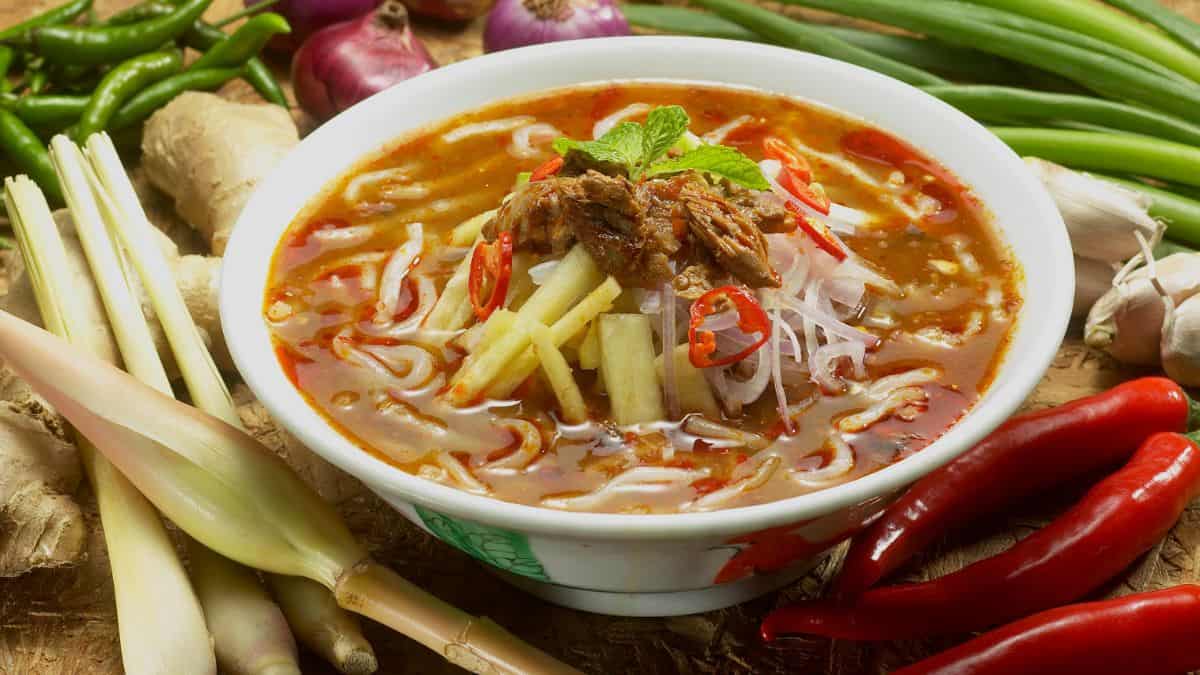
(650, 564)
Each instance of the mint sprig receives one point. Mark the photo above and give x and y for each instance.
(640, 150)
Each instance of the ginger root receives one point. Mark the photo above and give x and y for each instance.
(209, 154)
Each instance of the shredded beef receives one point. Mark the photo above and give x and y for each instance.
(733, 239)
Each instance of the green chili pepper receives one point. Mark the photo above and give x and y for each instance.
(139, 12)
(38, 81)
(61, 14)
(94, 45)
(25, 149)
(160, 93)
(244, 43)
(7, 55)
(53, 112)
(204, 36)
(122, 83)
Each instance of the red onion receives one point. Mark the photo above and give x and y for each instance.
(341, 65)
(517, 23)
(309, 16)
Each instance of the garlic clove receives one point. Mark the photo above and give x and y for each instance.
(1181, 343)
(1101, 217)
(1092, 280)
(1127, 320)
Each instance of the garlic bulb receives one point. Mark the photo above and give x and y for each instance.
(1127, 321)
(1101, 217)
(1181, 343)
(1092, 280)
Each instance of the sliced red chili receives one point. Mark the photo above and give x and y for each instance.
(819, 232)
(751, 319)
(795, 175)
(495, 261)
(546, 170)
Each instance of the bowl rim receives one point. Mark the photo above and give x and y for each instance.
(245, 328)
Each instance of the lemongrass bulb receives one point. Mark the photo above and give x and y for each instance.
(1181, 343)
(1093, 279)
(1127, 320)
(1101, 218)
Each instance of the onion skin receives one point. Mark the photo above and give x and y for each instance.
(518, 23)
(450, 10)
(309, 16)
(343, 64)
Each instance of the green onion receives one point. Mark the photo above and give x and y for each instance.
(1101, 151)
(160, 621)
(1167, 247)
(1105, 23)
(797, 35)
(938, 57)
(1174, 24)
(1181, 214)
(1006, 104)
(1102, 73)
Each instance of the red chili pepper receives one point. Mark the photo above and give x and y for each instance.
(1117, 521)
(795, 175)
(1142, 634)
(751, 319)
(551, 167)
(818, 232)
(1027, 455)
(494, 259)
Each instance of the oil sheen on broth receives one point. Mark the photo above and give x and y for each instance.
(874, 356)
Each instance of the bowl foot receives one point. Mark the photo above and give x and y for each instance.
(672, 603)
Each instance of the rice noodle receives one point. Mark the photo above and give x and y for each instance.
(397, 268)
(461, 474)
(669, 340)
(717, 136)
(411, 366)
(766, 469)
(343, 237)
(909, 378)
(777, 372)
(641, 479)
(824, 363)
(499, 126)
(881, 410)
(541, 272)
(699, 425)
(794, 342)
(524, 138)
(606, 124)
(410, 328)
(855, 268)
(354, 188)
(852, 170)
(528, 450)
(841, 464)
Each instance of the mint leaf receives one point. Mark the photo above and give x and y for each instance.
(597, 150)
(664, 127)
(626, 140)
(717, 160)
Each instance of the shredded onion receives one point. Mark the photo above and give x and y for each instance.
(845, 219)
(499, 126)
(770, 169)
(649, 302)
(606, 124)
(830, 324)
(719, 322)
(777, 372)
(824, 363)
(395, 271)
(842, 463)
(669, 340)
(523, 139)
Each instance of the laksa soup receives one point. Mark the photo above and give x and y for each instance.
(643, 298)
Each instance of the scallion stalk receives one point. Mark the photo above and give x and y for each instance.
(1102, 73)
(988, 103)
(1105, 23)
(160, 622)
(1183, 29)
(316, 620)
(1102, 151)
(1180, 213)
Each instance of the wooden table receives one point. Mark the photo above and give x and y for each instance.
(62, 622)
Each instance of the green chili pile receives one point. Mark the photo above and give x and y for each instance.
(65, 71)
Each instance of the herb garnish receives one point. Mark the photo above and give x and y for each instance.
(641, 149)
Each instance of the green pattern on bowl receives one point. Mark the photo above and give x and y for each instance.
(506, 550)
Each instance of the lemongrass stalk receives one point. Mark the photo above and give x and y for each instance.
(322, 626)
(235, 496)
(250, 633)
(317, 620)
(246, 639)
(159, 619)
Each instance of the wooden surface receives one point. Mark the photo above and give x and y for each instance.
(63, 622)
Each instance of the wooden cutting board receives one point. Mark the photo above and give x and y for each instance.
(62, 622)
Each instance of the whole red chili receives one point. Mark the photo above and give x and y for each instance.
(751, 319)
(1025, 456)
(493, 259)
(1142, 634)
(1118, 520)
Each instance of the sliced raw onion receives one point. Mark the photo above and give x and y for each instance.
(847, 292)
(830, 324)
(606, 124)
(793, 341)
(525, 138)
(777, 371)
(394, 273)
(845, 219)
(719, 322)
(669, 340)
(482, 128)
(842, 464)
(824, 363)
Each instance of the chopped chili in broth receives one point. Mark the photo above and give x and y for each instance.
(956, 302)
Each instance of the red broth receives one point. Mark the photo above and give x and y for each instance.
(942, 328)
